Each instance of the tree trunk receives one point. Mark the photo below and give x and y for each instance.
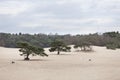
(84, 48)
(27, 57)
(58, 52)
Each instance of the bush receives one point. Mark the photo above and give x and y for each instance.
(111, 46)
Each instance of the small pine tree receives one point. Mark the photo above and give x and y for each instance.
(28, 49)
(59, 46)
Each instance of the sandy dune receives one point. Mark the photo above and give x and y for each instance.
(104, 65)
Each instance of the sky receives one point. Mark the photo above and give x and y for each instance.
(59, 16)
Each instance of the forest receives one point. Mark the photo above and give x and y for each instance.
(109, 39)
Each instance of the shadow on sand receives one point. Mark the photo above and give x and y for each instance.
(60, 54)
(34, 60)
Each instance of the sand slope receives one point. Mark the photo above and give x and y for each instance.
(105, 65)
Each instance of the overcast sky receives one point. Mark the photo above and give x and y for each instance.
(59, 16)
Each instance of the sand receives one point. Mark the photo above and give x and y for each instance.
(104, 65)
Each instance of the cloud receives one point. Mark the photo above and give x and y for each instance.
(13, 7)
(59, 16)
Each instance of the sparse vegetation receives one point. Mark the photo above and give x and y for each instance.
(111, 46)
(28, 49)
(84, 46)
(112, 40)
(59, 46)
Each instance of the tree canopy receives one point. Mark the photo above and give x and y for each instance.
(85, 46)
(59, 46)
(28, 49)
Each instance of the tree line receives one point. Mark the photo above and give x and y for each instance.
(109, 39)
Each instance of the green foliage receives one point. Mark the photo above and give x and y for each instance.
(111, 34)
(112, 40)
(111, 46)
(59, 46)
(28, 49)
(43, 40)
(85, 46)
